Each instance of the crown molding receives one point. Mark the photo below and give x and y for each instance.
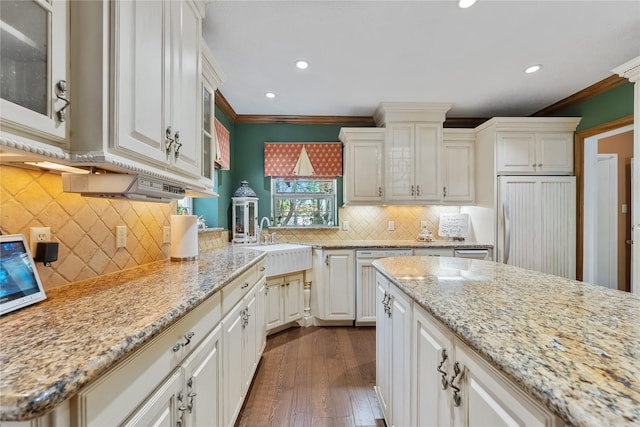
(452, 122)
(593, 90)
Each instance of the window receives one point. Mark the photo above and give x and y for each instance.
(299, 202)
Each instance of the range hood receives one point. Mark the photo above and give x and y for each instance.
(122, 186)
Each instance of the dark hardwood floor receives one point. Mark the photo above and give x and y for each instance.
(316, 376)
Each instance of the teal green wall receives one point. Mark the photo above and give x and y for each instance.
(606, 107)
(248, 154)
(247, 163)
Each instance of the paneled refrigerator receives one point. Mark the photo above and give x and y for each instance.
(536, 227)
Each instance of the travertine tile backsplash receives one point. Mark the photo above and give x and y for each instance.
(84, 227)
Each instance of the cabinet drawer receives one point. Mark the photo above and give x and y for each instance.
(236, 290)
(111, 399)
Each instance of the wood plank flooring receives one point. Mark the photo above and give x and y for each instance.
(315, 377)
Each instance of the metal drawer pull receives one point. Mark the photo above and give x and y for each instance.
(262, 268)
(178, 144)
(187, 337)
(168, 140)
(418, 190)
(456, 390)
(444, 374)
(245, 285)
(61, 94)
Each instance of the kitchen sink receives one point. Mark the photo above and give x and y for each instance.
(283, 258)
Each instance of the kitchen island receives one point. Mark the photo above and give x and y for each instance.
(573, 347)
(52, 350)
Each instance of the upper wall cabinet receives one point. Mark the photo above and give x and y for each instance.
(458, 166)
(139, 87)
(34, 80)
(211, 79)
(532, 145)
(363, 159)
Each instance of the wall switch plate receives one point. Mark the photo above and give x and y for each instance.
(345, 225)
(121, 236)
(166, 234)
(38, 234)
(625, 208)
(391, 225)
(424, 223)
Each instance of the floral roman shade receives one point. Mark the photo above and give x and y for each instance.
(222, 146)
(320, 160)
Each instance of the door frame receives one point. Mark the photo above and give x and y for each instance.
(590, 136)
(607, 248)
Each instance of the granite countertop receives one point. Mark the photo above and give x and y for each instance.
(52, 349)
(573, 346)
(388, 244)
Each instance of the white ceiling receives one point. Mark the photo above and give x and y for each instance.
(366, 52)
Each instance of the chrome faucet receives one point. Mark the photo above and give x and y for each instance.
(260, 228)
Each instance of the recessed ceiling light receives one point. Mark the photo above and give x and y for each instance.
(463, 4)
(532, 69)
(302, 64)
(270, 95)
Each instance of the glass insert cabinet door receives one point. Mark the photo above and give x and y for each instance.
(33, 65)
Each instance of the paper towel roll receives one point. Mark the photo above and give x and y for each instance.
(184, 237)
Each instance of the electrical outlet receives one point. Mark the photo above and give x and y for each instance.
(345, 225)
(121, 236)
(391, 225)
(424, 224)
(38, 234)
(166, 234)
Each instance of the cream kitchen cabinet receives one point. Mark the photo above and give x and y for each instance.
(138, 94)
(333, 293)
(535, 153)
(453, 386)
(393, 357)
(241, 339)
(412, 169)
(285, 300)
(363, 165)
(153, 384)
(35, 80)
(458, 166)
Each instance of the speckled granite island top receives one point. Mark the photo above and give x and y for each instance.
(573, 346)
(52, 349)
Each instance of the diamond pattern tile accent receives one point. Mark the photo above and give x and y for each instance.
(84, 227)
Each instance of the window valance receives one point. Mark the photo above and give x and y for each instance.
(321, 160)
(223, 146)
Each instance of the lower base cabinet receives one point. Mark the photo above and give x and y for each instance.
(454, 386)
(285, 300)
(393, 345)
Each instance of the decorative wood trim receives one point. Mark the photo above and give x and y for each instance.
(307, 120)
(593, 90)
(579, 171)
(224, 105)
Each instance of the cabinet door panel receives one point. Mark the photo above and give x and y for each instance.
(160, 409)
(293, 298)
(431, 402)
(554, 152)
(203, 375)
(186, 110)
(400, 357)
(143, 67)
(275, 302)
(516, 152)
(366, 293)
(365, 178)
(232, 360)
(399, 172)
(250, 341)
(340, 287)
(427, 162)
(383, 345)
(458, 172)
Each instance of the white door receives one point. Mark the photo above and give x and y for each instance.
(365, 292)
(383, 347)
(399, 171)
(427, 162)
(232, 360)
(607, 222)
(250, 340)
(365, 182)
(340, 286)
(293, 298)
(274, 303)
(400, 342)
